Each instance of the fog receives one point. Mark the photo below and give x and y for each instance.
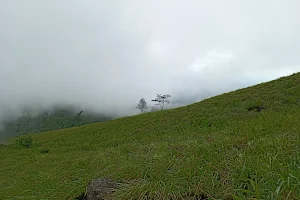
(107, 55)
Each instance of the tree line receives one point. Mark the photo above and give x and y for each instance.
(47, 120)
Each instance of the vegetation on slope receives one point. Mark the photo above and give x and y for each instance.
(57, 117)
(239, 145)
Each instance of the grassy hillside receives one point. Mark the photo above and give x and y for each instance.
(220, 148)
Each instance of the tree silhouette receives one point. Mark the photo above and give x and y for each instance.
(142, 105)
(78, 118)
(18, 129)
(162, 100)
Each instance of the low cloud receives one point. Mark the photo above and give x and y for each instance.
(105, 56)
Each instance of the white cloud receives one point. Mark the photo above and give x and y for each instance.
(212, 60)
(109, 54)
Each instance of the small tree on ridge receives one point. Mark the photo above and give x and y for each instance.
(162, 100)
(142, 105)
(78, 118)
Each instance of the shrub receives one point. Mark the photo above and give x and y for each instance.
(24, 141)
(256, 108)
(43, 151)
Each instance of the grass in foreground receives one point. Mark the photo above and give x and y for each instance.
(220, 148)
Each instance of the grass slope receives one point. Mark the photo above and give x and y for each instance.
(214, 149)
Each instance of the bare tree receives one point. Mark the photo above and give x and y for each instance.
(18, 129)
(142, 105)
(43, 121)
(162, 100)
(78, 118)
(24, 121)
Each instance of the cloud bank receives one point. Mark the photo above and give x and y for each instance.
(106, 55)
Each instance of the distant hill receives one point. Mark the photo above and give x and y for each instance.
(243, 144)
(57, 117)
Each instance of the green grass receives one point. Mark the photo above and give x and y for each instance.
(215, 149)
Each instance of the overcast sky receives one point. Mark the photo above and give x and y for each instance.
(108, 54)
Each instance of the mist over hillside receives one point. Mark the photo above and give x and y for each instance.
(33, 119)
(38, 118)
(239, 145)
(106, 56)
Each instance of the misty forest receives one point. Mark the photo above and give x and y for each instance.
(49, 119)
(150, 100)
(60, 117)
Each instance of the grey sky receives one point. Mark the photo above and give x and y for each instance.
(106, 55)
